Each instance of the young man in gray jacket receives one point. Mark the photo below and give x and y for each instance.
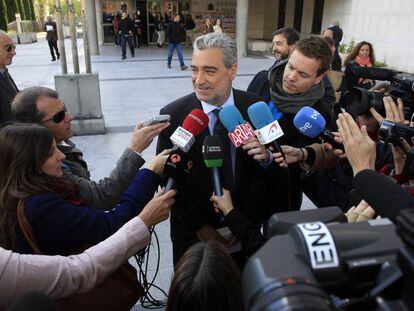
(42, 105)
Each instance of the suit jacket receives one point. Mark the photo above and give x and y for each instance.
(193, 209)
(51, 34)
(7, 93)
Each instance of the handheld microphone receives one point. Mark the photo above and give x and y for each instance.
(178, 163)
(311, 123)
(267, 129)
(195, 122)
(239, 130)
(213, 159)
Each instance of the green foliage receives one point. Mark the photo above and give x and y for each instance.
(11, 10)
(3, 16)
(347, 48)
(380, 64)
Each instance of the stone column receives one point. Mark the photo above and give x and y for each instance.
(90, 12)
(241, 26)
(98, 13)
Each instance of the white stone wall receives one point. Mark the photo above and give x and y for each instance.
(386, 24)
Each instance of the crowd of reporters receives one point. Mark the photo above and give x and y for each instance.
(49, 207)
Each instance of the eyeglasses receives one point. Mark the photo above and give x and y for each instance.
(9, 47)
(57, 117)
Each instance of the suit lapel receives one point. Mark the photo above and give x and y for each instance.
(5, 85)
(196, 104)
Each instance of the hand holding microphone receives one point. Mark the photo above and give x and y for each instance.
(178, 163)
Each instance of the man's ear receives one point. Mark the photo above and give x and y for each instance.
(233, 71)
(320, 77)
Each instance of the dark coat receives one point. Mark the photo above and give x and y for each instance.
(193, 209)
(174, 32)
(7, 93)
(51, 34)
(126, 27)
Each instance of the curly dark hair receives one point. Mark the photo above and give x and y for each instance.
(351, 56)
(316, 48)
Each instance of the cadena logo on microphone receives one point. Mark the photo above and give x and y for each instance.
(213, 149)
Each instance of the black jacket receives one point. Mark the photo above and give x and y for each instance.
(126, 27)
(7, 93)
(51, 34)
(193, 209)
(174, 32)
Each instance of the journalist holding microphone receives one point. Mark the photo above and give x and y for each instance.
(42, 213)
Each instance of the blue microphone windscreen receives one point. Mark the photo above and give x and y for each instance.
(260, 114)
(309, 122)
(231, 117)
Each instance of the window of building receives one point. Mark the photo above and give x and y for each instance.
(297, 20)
(317, 16)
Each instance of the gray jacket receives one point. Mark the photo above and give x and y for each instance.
(105, 193)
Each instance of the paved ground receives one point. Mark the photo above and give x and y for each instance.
(131, 90)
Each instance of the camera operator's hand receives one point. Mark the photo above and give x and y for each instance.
(158, 208)
(157, 164)
(399, 154)
(224, 203)
(142, 137)
(362, 212)
(393, 112)
(359, 148)
(256, 149)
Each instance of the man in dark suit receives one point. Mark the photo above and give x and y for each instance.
(8, 88)
(193, 217)
(52, 38)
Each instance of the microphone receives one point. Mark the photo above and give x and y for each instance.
(267, 129)
(178, 163)
(311, 123)
(195, 123)
(239, 130)
(213, 159)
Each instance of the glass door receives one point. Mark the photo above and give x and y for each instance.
(154, 8)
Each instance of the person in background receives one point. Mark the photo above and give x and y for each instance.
(362, 55)
(206, 278)
(174, 32)
(189, 29)
(126, 31)
(337, 35)
(138, 28)
(52, 38)
(160, 28)
(217, 26)
(115, 23)
(8, 88)
(207, 26)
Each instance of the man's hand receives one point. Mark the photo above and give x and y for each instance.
(292, 155)
(256, 149)
(393, 112)
(224, 203)
(362, 212)
(359, 148)
(142, 137)
(157, 164)
(207, 233)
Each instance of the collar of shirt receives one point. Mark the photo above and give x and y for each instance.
(3, 70)
(208, 110)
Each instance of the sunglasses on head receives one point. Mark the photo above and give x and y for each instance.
(9, 47)
(58, 116)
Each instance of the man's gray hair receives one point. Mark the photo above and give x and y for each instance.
(221, 41)
(24, 105)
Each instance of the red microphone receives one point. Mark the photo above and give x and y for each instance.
(195, 123)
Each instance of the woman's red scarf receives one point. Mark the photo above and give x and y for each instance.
(363, 63)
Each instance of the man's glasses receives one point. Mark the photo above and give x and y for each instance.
(57, 117)
(9, 47)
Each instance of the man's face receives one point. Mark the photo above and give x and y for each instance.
(177, 18)
(51, 107)
(124, 15)
(211, 79)
(301, 73)
(7, 50)
(281, 49)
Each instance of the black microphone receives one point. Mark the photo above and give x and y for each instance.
(213, 159)
(176, 168)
